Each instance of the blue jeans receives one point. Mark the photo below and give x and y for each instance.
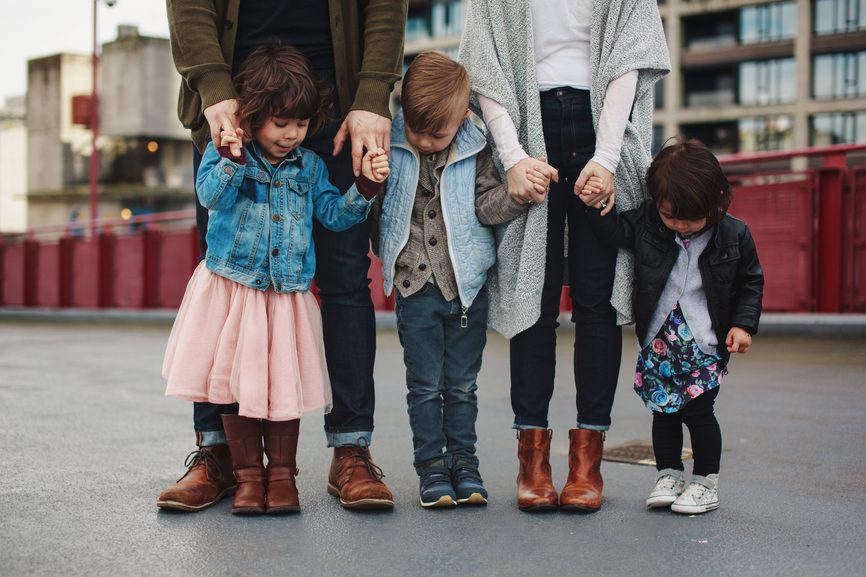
(442, 362)
(348, 316)
(570, 141)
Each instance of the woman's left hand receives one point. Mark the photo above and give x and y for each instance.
(603, 193)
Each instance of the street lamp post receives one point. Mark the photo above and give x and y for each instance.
(94, 124)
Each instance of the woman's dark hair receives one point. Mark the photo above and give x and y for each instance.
(687, 175)
(278, 81)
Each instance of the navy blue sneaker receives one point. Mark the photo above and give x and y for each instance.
(467, 483)
(436, 490)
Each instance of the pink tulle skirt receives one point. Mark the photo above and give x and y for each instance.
(260, 349)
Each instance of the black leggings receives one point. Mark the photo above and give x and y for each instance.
(704, 431)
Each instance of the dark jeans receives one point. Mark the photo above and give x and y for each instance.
(570, 141)
(442, 360)
(704, 431)
(348, 316)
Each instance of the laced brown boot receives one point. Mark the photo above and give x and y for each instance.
(535, 491)
(356, 480)
(582, 491)
(281, 447)
(244, 436)
(209, 478)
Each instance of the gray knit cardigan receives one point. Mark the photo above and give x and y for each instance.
(497, 50)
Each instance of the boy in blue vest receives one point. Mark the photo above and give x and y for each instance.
(432, 216)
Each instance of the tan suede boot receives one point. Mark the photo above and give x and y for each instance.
(582, 491)
(281, 447)
(244, 436)
(209, 478)
(535, 491)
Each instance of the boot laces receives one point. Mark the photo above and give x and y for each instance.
(362, 458)
(204, 457)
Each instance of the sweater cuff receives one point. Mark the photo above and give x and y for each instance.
(226, 152)
(214, 87)
(367, 188)
(373, 96)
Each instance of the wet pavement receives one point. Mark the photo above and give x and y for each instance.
(88, 441)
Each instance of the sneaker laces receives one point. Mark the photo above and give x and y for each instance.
(667, 482)
(362, 458)
(695, 491)
(205, 457)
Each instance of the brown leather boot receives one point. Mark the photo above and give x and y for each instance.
(356, 480)
(535, 491)
(244, 436)
(281, 447)
(209, 478)
(582, 491)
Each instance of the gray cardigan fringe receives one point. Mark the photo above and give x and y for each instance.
(497, 50)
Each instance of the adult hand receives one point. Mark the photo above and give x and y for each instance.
(524, 184)
(366, 130)
(602, 193)
(222, 116)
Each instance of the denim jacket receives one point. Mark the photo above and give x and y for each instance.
(261, 217)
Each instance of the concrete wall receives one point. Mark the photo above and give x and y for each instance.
(13, 166)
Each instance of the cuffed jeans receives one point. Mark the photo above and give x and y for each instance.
(570, 141)
(442, 360)
(348, 316)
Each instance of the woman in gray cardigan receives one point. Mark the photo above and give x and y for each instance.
(571, 82)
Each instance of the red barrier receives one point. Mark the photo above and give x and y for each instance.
(129, 272)
(13, 275)
(48, 275)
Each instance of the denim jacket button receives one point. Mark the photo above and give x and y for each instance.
(278, 183)
(279, 287)
(275, 252)
(276, 218)
(258, 282)
(227, 169)
(262, 174)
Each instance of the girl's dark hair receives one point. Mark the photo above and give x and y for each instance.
(688, 176)
(278, 81)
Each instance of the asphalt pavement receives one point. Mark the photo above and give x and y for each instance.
(88, 441)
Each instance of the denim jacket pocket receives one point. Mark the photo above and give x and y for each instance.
(296, 199)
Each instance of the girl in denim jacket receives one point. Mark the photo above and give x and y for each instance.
(697, 299)
(248, 331)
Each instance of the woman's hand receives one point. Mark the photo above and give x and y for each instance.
(375, 165)
(601, 194)
(528, 179)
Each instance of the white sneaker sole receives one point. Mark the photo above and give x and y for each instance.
(694, 509)
(660, 501)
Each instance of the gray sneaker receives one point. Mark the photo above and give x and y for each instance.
(702, 495)
(669, 486)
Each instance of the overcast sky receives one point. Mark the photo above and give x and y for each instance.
(34, 28)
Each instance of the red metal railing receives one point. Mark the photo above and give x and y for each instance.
(807, 224)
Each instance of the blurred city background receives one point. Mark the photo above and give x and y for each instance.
(777, 89)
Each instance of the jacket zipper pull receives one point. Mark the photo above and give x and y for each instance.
(464, 320)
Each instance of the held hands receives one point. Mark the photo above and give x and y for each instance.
(233, 139)
(738, 340)
(366, 130)
(375, 165)
(528, 180)
(221, 117)
(599, 194)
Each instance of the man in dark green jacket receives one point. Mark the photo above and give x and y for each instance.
(356, 46)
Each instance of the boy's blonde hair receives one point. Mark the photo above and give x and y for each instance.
(434, 89)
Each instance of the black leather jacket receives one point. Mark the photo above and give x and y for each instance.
(730, 271)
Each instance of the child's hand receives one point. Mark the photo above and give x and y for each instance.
(590, 189)
(232, 139)
(738, 340)
(540, 176)
(375, 165)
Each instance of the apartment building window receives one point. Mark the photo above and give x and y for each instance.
(720, 137)
(837, 128)
(767, 82)
(838, 16)
(768, 22)
(434, 19)
(766, 133)
(839, 75)
(713, 87)
(657, 139)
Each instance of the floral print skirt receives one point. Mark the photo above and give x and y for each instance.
(672, 369)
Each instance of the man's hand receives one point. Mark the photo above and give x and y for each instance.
(366, 130)
(222, 116)
(738, 340)
(594, 195)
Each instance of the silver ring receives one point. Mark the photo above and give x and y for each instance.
(602, 203)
